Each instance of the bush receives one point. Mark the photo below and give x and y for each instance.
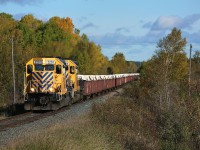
(126, 121)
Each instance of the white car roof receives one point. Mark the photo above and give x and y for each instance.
(103, 77)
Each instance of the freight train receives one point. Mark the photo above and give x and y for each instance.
(51, 83)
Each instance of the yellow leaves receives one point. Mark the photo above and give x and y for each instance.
(64, 23)
(67, 26)
(31, 22)
(7, 25)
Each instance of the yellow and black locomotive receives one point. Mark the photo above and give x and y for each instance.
(49, 83)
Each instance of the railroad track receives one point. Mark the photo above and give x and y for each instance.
(25, 118)
(30, 116)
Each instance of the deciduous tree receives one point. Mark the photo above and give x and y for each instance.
(167, 68)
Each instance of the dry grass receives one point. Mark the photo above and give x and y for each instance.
(2, 117)
(129, 123)
(77, 134)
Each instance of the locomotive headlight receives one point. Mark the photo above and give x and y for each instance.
(32, 90)
(51, 89)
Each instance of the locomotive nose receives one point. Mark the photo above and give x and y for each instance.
(42, 81)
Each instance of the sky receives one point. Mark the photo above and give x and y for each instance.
(132, 27)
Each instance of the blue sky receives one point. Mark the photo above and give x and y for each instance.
(129, 26)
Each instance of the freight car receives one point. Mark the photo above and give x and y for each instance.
(94, 84)
(51, 83)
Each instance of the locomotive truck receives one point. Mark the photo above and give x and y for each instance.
(51, 83)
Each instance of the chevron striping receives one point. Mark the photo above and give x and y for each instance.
(50, 74)
(44, 80)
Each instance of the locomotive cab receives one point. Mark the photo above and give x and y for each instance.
(45, 84)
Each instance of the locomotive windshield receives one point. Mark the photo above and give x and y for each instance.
(44, 67)
(49, 67)
(39, 68)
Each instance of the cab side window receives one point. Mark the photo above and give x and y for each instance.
(72, 69)
(29, 69)
(58, 69)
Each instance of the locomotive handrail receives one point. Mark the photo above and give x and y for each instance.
(26, 86)
(60, 95)
(25, 90)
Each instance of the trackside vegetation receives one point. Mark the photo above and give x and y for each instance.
(162, 109)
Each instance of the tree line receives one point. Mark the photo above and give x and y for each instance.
(55, 37)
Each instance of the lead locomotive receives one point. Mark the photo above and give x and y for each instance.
(49, 83)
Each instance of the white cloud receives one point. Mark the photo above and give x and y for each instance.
(159, 29)
(164, 22)
(118, 40)
(168, 22)
(88, 25)
(189, 21)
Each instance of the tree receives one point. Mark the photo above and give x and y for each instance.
(196, 57)
(31, 22)
(166, 69)
(77, 31)
(171, 50)
(163, 80)
(132, 67)
(109, 70)
(7, 26)
(119, 64)
(89, 56)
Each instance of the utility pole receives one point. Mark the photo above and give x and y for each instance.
(13, 70)
(190, 70)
